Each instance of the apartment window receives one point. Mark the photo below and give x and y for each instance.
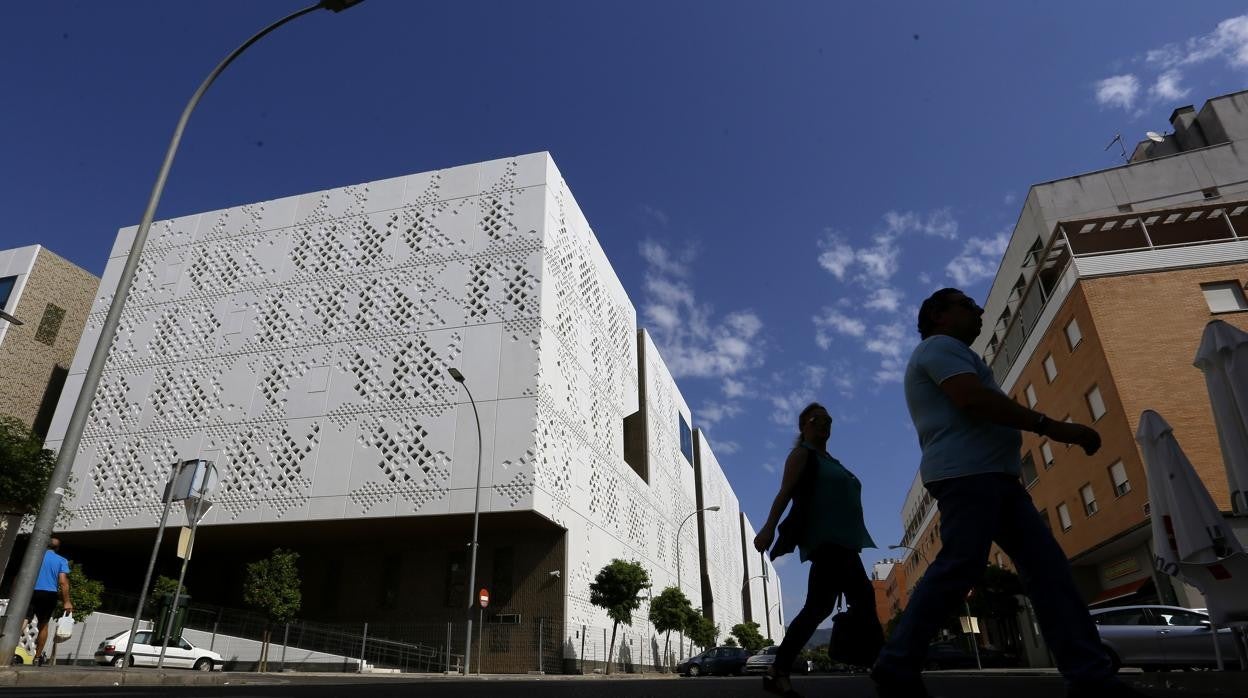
(1089, 499)
(1222, 297)
(1046, 452)
(1044, 516)
(1000, 559)
(1050, 368)
(6, 289)
(1118, 476)
(1031, 395)
(1073, 335)
(1095, 403)
(1029, 470)
(1063, 516)
(50, 324)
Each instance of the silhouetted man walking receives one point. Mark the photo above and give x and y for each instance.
(969, 432)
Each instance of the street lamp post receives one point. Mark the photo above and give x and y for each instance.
(476, 517)
(678, 530)
(763, 576)
(23, 584)
(965, 603)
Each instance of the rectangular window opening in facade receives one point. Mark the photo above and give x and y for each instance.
(635, 452)
(1073, 335)
(1029, 470)
(1044, 516)
(1063, 516)
(6, 290)
(1031, 395)
(1221, 296)
(50, 324)
(1089, 499)
(1096, 404)
(1118, 476)
(1050, 368)
(686, 439)
(1046, 452)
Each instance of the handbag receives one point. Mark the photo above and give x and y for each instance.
(790, 530)
(857, 637)
(64, 627)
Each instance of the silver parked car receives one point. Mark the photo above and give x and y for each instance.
(1161, 637)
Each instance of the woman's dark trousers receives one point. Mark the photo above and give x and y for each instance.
(834, 570)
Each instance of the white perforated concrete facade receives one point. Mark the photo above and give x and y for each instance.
(303, 344)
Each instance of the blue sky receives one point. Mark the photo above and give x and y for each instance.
(778, 185)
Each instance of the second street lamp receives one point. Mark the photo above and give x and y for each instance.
(476, 517)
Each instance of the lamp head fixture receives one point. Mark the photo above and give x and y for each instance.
(459, 377)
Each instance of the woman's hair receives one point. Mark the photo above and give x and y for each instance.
(801, 419)
(934, 303)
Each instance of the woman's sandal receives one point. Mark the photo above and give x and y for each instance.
(771, 684)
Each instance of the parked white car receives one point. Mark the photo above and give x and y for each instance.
(179, 655)
(1156, 636)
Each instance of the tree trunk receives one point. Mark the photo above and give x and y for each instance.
(611, 646)
(667, 659)
(264, 650)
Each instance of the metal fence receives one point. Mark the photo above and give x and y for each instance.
(535, 645)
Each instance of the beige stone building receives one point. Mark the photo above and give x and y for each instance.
(51, 297)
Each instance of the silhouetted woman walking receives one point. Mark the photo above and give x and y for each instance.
(826, 526)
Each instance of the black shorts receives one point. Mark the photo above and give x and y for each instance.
(42, 604)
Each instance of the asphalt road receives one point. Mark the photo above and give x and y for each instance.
(944, 686)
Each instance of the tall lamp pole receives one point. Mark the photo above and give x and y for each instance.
(476, 518)
(678, 530)
(25, 580)
(763, 576)
(965, 603)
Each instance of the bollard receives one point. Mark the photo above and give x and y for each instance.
(285, 642)
(363, 645)
(448, 648)
(582, 648)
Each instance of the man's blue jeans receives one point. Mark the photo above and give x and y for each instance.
(975, 510)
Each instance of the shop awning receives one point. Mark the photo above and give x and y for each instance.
(1122, 591)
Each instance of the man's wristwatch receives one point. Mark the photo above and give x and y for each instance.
(1041, 424)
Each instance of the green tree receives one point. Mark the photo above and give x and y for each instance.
(701, 630)
(271, 586)
(617, 589)
(669, 611)
(86, 593)
(731, 641)
(27, 467)
(749, 636)
(162, 587)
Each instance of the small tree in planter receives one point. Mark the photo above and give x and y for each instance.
(272, 587)
(616, 589)
(669, 611)
(701, 630)
(25, 468)
(749, 636)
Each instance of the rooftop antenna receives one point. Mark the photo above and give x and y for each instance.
(1118, 140)
(1155, 137)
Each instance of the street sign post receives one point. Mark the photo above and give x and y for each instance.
(484, 596)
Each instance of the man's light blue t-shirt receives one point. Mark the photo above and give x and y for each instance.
(50, 571)
(954, 443)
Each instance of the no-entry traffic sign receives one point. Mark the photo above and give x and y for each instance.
(484, 596)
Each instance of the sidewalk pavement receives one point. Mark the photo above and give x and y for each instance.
(1229, 683)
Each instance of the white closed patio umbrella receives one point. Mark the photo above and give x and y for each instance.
(1188, 528)
(1190, 537)
(1223, 357)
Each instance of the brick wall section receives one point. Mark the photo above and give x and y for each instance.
(26, 363)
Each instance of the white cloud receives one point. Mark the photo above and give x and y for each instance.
(939, 223)
(1118, 91)
(834, 321)
(693, 341)
(727, 448)
(878, 262)
(769, 467)
(835, 255)
(891, 342)
(656, 214)
(1227, 42)
(1010, 198)
(886, 299)
(733, 388)
(711, 414)
(979, 259)
(1167, 86)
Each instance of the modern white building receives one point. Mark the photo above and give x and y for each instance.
(303, 346)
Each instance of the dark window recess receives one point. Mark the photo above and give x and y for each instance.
(457, 579)
(1210, 193)
(1029, 470)
(635, 453)
(390, 577)
(6, 289)
(47, 406)
(1044, 516)
(1125, 208)
(503, 577)
(50, 325)
(686, 440)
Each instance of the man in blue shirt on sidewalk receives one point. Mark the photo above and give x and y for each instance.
(53, 578)
(969, 432)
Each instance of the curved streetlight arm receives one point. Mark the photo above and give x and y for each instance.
(680, 528)
(913, 550)
(31, 560)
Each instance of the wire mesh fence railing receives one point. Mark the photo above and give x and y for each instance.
(497, 645)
